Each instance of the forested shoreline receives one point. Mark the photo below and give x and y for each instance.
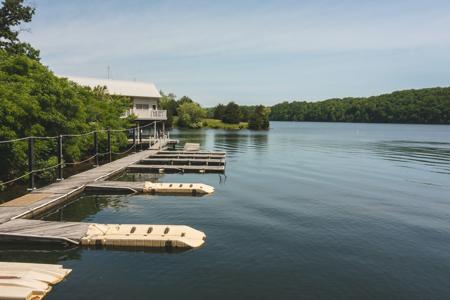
(422, 106)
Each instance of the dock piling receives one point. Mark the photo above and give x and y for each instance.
(60, 158)
(134, 139)
(96, 148)
(109, 145)
(31, 185)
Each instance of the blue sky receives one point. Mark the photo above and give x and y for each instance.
(250, 51)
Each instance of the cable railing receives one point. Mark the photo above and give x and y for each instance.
(32, 171)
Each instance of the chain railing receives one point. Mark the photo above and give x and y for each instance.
(136, 139)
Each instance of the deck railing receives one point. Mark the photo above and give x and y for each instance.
(148, 114)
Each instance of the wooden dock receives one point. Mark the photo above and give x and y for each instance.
(53, 195)
(144, 168)
(14, 215)
(92, 234)
(183, 161)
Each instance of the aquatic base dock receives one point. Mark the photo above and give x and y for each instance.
(182, 162)
(14, 225)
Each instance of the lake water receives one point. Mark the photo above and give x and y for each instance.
(305, 211)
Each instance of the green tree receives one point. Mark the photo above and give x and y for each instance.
(184, 99)
(259, 118)
(219, 112)
(12, 14)
(190, 114)
(33, 101)
(232, 114)
(169, 104)
(427, 106)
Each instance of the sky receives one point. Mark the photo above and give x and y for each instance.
(251, 52)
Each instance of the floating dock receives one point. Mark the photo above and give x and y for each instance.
(184, 161)
(14, 215)
(131, 187)
(181, 161)
(26, 281)
(144, 168)
(106, 235)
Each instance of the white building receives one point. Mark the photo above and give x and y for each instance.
(144, 95)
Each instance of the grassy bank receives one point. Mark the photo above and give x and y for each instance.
(214, 124)
(218, 124)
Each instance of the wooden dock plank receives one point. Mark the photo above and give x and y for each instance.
(119, 186)
(140, 168)
(188, 161)
(192, 152)
(191, 156)
(22, 228)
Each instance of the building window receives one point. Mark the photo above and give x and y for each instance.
(142, 106)
(154, 107)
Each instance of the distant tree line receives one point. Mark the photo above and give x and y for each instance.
(232, 113)
(426, 106)
(185, 112)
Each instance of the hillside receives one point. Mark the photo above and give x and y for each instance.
(424, 106)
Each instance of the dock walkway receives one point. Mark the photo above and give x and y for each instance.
(53, 195)
(14, 225)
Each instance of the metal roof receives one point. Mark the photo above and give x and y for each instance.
(119, 87)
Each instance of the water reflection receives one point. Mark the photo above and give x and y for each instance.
(85, 207)
(231, 142)
(141, 177)
(189, 135)
(38, 252)
(430, 154)
(259, 141)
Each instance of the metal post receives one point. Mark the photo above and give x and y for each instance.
(31, 163)
(140, 136)
(96, 148)
(109, 145)
(134, 139)
(60, 158)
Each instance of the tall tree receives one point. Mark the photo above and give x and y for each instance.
(219, 112)
(12, 14)
(259, 118)
(169, 104)
(190, 114)
(232, 114)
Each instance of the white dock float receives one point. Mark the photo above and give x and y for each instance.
(191, 147)
(127, 187)
(92, 234)
(177, 188)
(28, 281)
(143, 236)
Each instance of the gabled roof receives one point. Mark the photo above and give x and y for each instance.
(119, 87)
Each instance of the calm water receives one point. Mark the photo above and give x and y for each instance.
(306, 211)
